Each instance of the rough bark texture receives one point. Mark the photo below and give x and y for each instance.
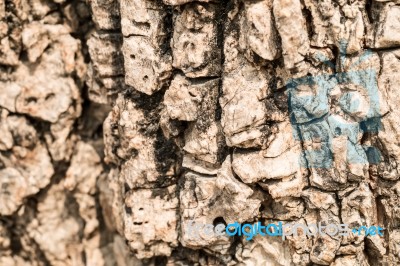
(122, 120)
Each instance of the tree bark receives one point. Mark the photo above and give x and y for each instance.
(125, 122)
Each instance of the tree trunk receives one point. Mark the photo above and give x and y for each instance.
(131, 128)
